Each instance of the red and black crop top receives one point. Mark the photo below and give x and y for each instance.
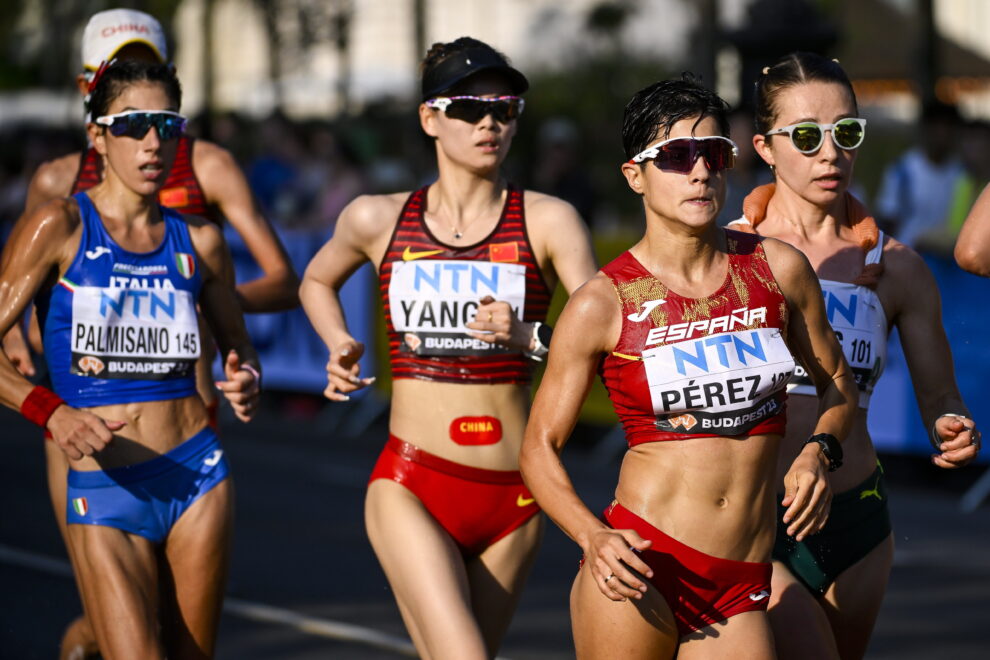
(700, 367)
(431, 290)
(181, 191)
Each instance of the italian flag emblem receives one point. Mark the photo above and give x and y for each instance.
(186, 264)
(80, 506)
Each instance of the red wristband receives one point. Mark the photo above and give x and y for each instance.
(39, 405)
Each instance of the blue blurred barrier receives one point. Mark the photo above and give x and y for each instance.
(293, 356)
(894, 421)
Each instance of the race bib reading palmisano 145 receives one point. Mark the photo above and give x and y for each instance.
(144, 334)
(431, 301)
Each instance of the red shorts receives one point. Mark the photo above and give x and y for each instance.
(477, 507)
(699, 589)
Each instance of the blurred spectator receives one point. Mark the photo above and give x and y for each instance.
(749, 172)
(917, 189)
(560, 168)
(274, 173)
(330, 177)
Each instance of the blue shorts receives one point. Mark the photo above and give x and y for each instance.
(148, 498)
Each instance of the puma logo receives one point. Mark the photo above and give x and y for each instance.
(97, 252)
(648, 307)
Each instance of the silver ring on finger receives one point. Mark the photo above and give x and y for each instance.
(610, 576)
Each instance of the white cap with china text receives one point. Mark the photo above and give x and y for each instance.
(109, 31)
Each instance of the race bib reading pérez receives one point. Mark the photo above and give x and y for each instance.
(723, 383)
(146, 334)
(432, 301)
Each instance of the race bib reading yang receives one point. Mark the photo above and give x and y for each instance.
(722, 383)
(432, 301)
(145, 334)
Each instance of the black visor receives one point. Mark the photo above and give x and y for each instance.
(458, 66)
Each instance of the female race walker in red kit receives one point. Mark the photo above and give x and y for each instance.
(466, 266)
(692, 331)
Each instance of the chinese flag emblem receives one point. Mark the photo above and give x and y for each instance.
(504, 252)
(174, 197)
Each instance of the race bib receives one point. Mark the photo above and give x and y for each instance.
(431, 302)
(144, 334)
(858, 320)
(725, 383)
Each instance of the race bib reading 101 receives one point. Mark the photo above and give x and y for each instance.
(145, 334)
(432, 301)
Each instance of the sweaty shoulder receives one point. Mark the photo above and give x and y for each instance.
(790, 267)
(548, 210)
(208, 156)
(53, 179)
(594, 314)
(371, 217)
(50, 227)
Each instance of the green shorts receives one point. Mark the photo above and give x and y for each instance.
(858, 522)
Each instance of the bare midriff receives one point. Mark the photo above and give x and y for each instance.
(423, 410)
(713, 494)
(151, 428)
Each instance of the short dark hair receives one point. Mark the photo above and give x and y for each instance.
(797, 68)
(123, 73)
(654, 110)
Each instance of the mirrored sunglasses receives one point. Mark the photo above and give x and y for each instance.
(136, 123)
(808, 136)
(473, 108)
(680, 154)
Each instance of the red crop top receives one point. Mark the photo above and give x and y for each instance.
(700, 367)
(431, 290)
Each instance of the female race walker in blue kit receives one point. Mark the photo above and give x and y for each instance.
(116, 279)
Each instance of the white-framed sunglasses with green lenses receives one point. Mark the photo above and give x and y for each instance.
(808, 136)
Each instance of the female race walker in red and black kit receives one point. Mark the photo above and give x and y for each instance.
(692, 331)
(149, 501)
(827, 589)
(467, 266)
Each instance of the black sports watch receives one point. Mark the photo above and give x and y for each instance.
(541, 341)
(830, 447)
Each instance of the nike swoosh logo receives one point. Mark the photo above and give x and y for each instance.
(760, 596)
(524, 501)
(97, 252)
(409, 255)
(648, 307)
(214, 458)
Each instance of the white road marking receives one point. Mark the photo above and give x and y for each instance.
(242, 608)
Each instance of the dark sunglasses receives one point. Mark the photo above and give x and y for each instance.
(808, 136)
(136, 123)
(473, 108)
(679, 154)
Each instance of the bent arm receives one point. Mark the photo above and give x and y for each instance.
(225, 185)
(918, 320)
(973, 245)
(580, 339)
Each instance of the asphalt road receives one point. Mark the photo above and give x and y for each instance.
(305, 584)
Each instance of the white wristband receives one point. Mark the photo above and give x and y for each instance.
(937, 441)
(254, 372)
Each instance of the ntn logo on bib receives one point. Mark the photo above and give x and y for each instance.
(443, 295)
(717, 373)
